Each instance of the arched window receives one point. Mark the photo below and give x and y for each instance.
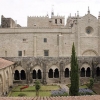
(97, 71)
(34, 74)
(61, 21)
(50, 74)
(83, 72)
(66, 72)
(88, 72)
(55, 21)
(56, 73)
(39, 74)
(16, 75)
(23, 75)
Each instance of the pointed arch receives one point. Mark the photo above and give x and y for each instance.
(53, 67)
(34, 74)
(66, 72)
(82, 72)
(90, 52)
(50, 74)
(23, 75)
(39, 74)
(98, 71)
(19, 68)
(88, 72)
(16, 75)
(37, 67)
(56, 73)
(85, 65)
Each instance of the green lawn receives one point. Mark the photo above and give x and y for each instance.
(32, 88)
(30, 91)
(26, 89)
(30, 94)
(48, 87)
(83, 86)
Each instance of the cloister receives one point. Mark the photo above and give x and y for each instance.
(54, 72)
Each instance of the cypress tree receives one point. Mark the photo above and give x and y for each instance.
(74, 88)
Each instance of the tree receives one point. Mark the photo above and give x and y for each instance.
(74, 88)
(91, 83)
(37, 87)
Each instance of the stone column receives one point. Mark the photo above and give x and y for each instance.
(35, 45)
(61, 72)
(69, 73)
(90, 73)
(44, 74)
(85, 73)
(1, 89)
(13, 76)
(31, 79)
(19, 76)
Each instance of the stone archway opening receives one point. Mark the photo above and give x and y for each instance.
(39, 74)
(56, 73)
(66, 72)
(50, 74)
(97, 71)
(16, 75)
(34, 74)
(88, 72)
(23, 75)
(82, 72)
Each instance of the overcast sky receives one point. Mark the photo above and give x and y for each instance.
(20, 9)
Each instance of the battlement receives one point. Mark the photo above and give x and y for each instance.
(45, 21)
(38, 16)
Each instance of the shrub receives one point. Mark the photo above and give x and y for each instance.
(37, 87)
(85, 92)
(60, 92)
(22, 95)
(91, 83)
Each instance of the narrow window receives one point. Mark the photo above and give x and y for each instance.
(46, 52)
(24, 52)
(24, 40)
(45, 39)
(61, 21)
(19, 53)
(5, 53)
(55, 21)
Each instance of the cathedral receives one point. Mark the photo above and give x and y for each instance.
(42, 50)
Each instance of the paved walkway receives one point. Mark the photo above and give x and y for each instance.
(63, 86)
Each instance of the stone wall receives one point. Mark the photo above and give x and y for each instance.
(60, 63)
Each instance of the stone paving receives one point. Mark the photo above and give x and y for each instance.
(63, 86)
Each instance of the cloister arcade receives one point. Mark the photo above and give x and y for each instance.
(53, 72)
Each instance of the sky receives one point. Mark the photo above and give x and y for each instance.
(20, 9)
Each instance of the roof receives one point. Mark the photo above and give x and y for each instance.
(93, 97)
(5, 63)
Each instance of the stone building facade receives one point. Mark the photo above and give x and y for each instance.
(42, 50)
(6, 78)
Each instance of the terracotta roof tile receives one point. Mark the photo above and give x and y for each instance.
(93, 97)
(4, 63)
